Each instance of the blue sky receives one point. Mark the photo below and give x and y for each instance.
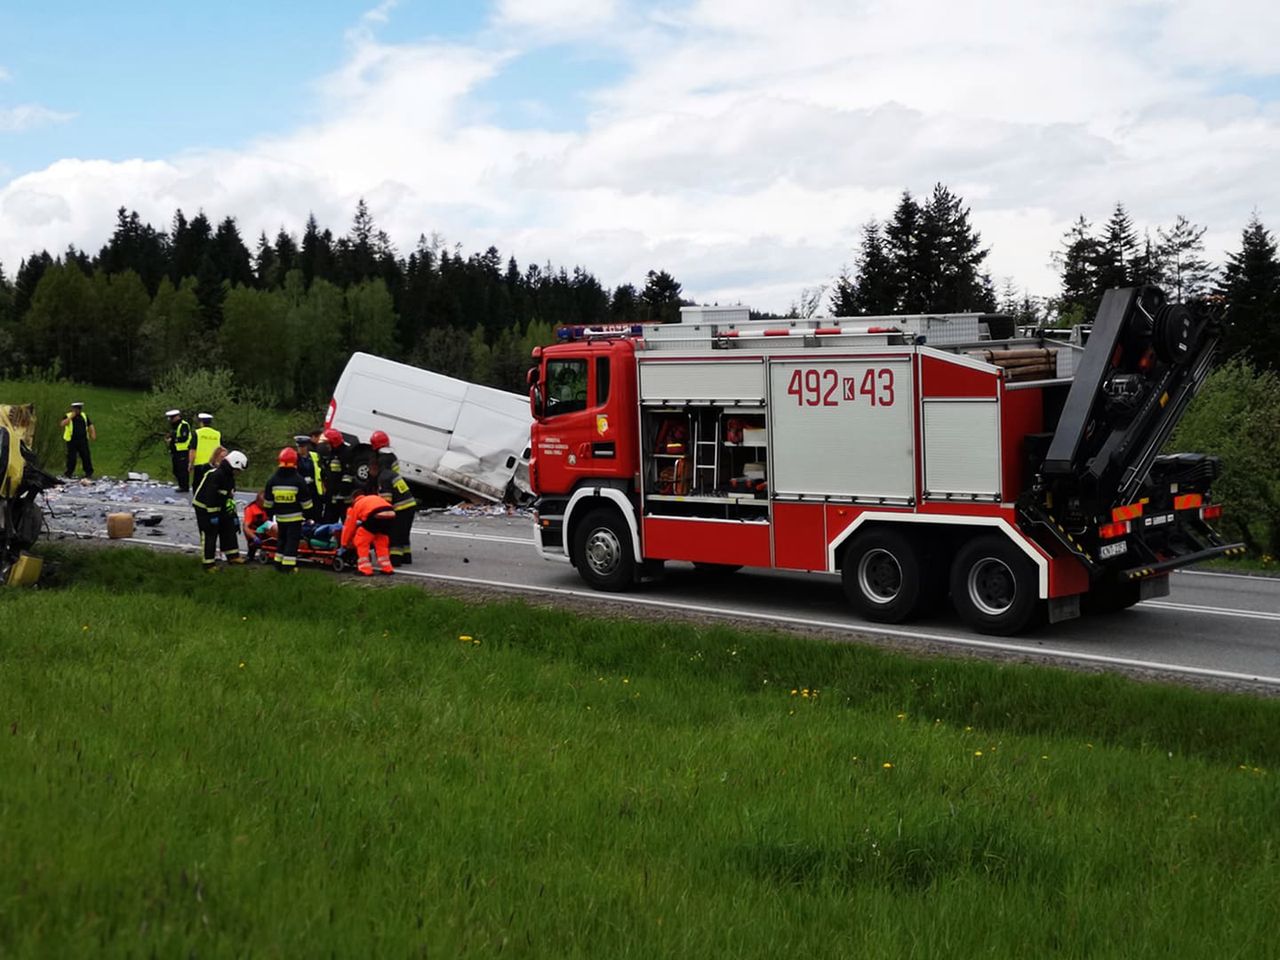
(145, 78)
(739, 144)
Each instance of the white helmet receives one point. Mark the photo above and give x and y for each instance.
(237, 460)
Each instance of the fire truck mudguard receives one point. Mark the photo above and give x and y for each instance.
(919, 457)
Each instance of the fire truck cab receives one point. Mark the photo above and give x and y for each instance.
(916, 457)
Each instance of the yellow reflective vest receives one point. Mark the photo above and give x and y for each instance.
(207, 441)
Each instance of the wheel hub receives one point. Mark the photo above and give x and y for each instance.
(603, 552)
(879, 576)
(992, 586)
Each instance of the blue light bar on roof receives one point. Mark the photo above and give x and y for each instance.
(581, 332)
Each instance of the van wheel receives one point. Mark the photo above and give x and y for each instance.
(993, 586)
(602, 551)
(883, 576)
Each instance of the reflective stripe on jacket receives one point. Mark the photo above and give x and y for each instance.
(285, 496)
(182, 437)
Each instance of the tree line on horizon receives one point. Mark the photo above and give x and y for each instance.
(285, 316)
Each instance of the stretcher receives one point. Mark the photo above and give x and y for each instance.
(319, 553)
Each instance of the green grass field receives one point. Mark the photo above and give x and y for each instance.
(240, 764)
(113, 413)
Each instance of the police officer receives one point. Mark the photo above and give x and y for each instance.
(179, 439)
(215, 505)
(395, 488)
(77, 431)
(207, 441)
(285, 497)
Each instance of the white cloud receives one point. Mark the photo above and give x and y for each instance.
(746, 140)
(28, 116)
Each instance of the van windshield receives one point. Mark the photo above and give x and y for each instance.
(566, 386)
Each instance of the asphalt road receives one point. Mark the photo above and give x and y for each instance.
(1219, 628)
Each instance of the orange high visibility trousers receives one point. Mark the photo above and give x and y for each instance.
(381, 545)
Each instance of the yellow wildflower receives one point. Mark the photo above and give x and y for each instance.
(887, 765)
(977, 753)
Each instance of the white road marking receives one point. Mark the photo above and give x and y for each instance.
(1228, 576)
(490, 537)
(1213, 611)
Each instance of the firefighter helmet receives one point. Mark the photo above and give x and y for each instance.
(379, 439)
(237, 460)
(288, 457)
(334, 438)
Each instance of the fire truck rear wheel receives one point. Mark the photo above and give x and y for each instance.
(883, 576)
(602, 551)
(993, 586)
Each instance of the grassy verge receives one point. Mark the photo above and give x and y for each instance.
(113, 413)
(244, 764)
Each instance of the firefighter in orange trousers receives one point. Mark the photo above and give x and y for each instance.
(369, 519)
(286, 497)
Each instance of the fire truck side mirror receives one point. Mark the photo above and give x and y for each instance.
(535, 399)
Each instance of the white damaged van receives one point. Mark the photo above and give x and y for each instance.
(449, 434)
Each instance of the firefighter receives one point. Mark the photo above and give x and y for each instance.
(369, 521)
(179, 440)
(287, 498)
(215, 505)
(396, 489)
(309, 470)
(201, 455)
(77, 431)
(338, 479)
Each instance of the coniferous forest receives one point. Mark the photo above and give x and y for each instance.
(284, 313)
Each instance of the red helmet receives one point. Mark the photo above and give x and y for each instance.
(333, 437)
(288, 457)
(378, 440)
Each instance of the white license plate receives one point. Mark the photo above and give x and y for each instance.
(1108, 550)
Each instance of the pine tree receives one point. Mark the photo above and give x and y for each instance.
(1251, 284)
(1184, 271)
(901, 245)
(624, 304)
(317, 258)
(232, 257)
(6, 298)
(286, 252)
(1115, 253)
(660, 299)
(951, 274)
(1077, 266)
(188, 243)
(266, 265)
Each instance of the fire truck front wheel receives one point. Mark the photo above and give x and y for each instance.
(883, 576)
(993, 586)
(602, 550)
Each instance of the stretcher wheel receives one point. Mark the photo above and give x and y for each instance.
(338, 563)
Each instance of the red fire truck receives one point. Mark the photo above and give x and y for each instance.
(917, 457)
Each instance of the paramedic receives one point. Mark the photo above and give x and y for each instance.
(369, 519)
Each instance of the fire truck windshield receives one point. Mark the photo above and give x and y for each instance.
(566, 386)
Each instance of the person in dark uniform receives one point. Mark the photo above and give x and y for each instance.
(179, 440)
(338, 481)
(215, 505)
(395, 488)
(287, 499)
(77, 431)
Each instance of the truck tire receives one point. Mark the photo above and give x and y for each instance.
(602, 550)
(883, 576)
(994, 586)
